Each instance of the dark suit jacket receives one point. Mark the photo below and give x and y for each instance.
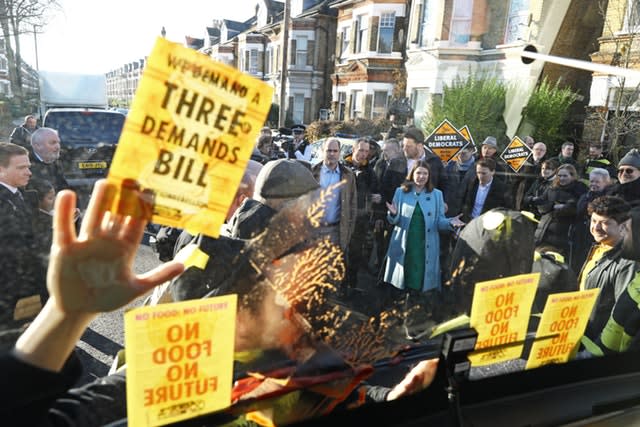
(21, 269)
(388, 176)
(21, 136)
(498, 197)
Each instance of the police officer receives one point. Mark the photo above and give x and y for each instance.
(300, 148)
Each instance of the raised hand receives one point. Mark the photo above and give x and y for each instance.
(92, 272)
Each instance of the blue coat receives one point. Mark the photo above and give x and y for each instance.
(432, 205)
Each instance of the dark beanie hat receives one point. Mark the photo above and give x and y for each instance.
(632, 158)
(284, 179)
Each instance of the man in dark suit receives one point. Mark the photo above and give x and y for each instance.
(21, 273)
(484, 192)
(44, 156)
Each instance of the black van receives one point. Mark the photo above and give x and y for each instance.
(88, 138)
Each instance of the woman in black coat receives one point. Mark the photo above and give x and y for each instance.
(534, 195)
(558, 209)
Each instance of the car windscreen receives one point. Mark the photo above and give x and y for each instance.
(86, 127)
(485, 226)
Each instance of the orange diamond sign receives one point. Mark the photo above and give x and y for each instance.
(445, 141)
(464, 131)
(516, 154)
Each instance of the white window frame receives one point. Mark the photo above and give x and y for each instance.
(250, 66)
(301, 54)
(268, 59)
(632, 101)
(297, 111)
(388, 23)
(346, 38)
(424, 24)
(419, 94)
(632, 17)
(342, 102)
(381, 109)
(356, 109)
(517, 21)
(361, 33)
(253, 61)
(461, 17)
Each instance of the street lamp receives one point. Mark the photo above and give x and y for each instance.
(35, 42)
(283, 72)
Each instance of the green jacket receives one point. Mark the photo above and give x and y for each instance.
(621, 330)
(612, 274)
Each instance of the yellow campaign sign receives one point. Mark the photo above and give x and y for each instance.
(564, 318)
(188, 136)
(179, 359)
(445, 141)
(500, 314)
(466, 133)
(516, 154)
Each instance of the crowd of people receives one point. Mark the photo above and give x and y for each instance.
(399, 210)
(43, 357)
(557, 190)
(393, 211)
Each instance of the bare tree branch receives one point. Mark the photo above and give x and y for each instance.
(19, 17)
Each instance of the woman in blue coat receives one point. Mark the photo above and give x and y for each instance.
(417, 211)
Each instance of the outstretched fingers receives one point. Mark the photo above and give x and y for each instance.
(101, 199)
(138, 206)
(158, 275)
(64, 232)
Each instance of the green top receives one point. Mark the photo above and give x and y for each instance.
(415, 257)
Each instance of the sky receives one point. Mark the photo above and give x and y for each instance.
(96, 36)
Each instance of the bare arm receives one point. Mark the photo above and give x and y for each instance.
(419, 378)
(88, 274)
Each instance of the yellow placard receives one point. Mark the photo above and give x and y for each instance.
(500, 314)
(516, 154)
(464, 131)
(189, 134)
(179, 359)
(565, 318)
(445, 141)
